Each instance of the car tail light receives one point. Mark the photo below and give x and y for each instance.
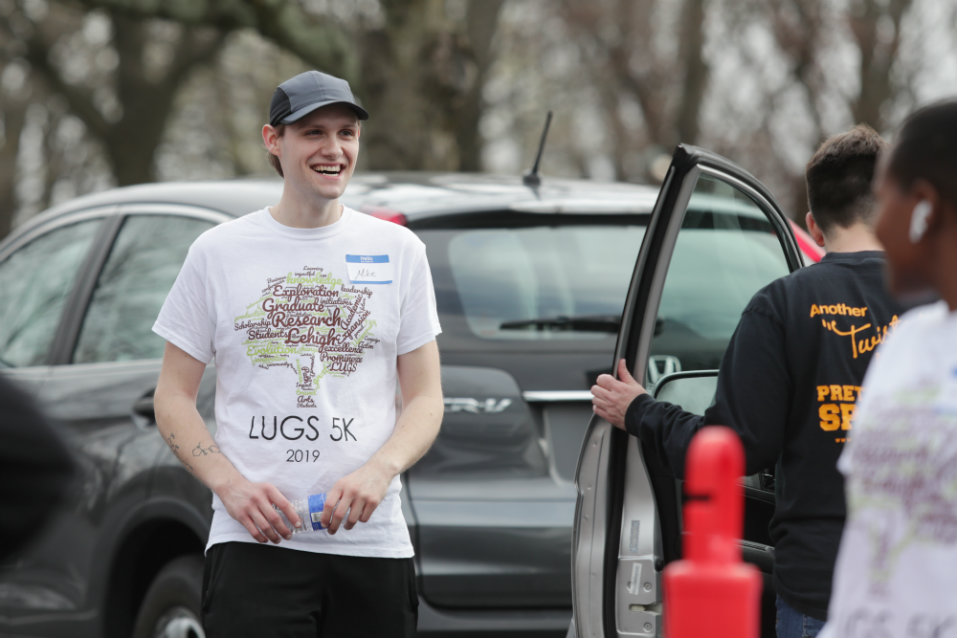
(388, 215)
(806, 243)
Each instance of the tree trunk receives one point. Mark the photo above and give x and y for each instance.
(481, 23)
(14, 118)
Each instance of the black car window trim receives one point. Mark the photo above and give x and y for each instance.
(504, 218)
(72, 322)
(62, 348)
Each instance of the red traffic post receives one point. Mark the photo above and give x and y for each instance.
(711, 593)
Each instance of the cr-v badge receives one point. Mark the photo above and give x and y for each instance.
(476, 406)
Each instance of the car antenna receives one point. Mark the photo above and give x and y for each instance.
(532, 178)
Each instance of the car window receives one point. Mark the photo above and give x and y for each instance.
(143, 263)
(36, 281)
(543, 282)
(725, 252)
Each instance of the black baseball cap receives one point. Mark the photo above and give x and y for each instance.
(302, 94)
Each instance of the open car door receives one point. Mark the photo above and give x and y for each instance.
(715, 237)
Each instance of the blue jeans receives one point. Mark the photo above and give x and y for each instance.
(793, 624)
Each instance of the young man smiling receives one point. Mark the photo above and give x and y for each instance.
(313, 314)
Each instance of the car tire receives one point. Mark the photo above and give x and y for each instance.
(171, 607)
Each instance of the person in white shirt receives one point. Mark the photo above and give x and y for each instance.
(896, 571)
(314, 315)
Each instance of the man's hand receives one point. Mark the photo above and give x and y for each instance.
(355, 496)
(611, 397)
(252, 504)
(182, 427)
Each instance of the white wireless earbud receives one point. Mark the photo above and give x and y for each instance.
(918, 220)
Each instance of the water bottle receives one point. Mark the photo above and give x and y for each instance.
(309, 510)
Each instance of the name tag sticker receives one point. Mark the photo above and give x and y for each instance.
(369, 269)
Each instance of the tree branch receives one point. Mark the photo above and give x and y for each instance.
(320, 42)
(80, 103)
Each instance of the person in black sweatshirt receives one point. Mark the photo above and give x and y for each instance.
(790, 378)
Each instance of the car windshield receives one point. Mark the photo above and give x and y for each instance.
(544, 282)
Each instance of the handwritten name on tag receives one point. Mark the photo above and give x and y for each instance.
(369, 269)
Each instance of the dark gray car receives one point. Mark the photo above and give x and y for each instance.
(530, 282)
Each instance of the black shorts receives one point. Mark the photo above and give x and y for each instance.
(264, 590)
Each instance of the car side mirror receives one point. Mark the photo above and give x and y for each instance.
(693, 390)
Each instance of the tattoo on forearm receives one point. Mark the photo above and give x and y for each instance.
(199, 450)
(211, 448)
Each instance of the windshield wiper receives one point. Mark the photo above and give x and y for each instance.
(585, 323)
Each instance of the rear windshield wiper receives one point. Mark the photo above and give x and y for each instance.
(585, 323)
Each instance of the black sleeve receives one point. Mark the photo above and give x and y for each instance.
(752, 398)
(36, 469)
(754, 387)
(665, 427)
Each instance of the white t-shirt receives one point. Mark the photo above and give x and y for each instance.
(304, 327)
(896, 572)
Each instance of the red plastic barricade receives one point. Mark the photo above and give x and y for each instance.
(711, 593)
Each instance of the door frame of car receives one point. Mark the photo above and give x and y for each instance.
(614, 476)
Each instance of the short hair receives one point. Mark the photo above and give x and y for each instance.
(273, 159)
(926, 148)
(839, 177)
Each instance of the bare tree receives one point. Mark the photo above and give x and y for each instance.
(288, 23)
(417, 67)
(134, 89)
(822, 91)
(422, 72)
(143, 93)
(35, 121)
(16, 94)
(876, 29)
(481, 25)
(666, 78)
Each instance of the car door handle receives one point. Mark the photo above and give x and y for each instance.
(144, 408)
